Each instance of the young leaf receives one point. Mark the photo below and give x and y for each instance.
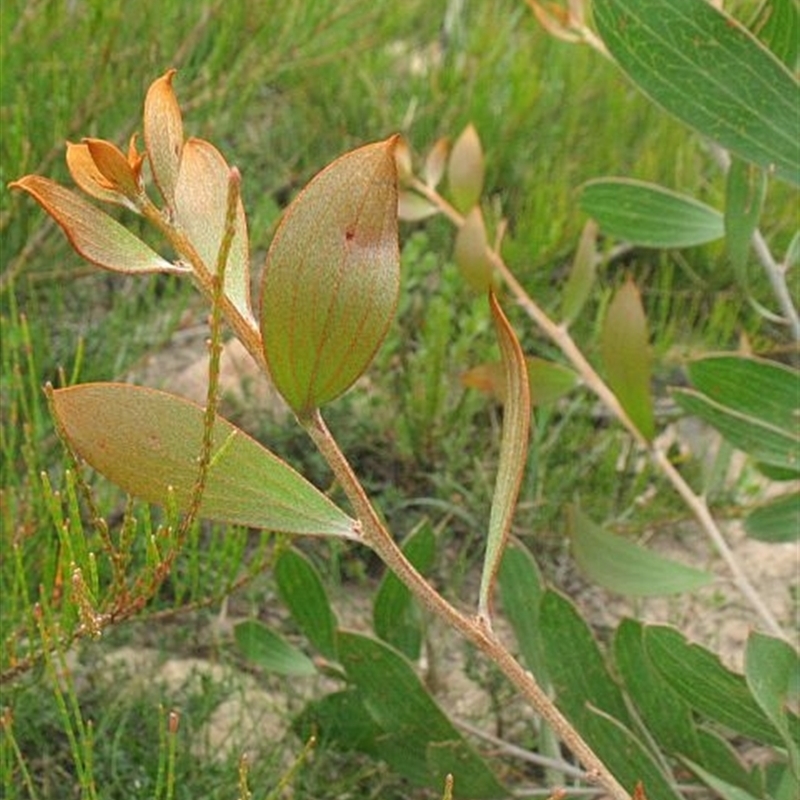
(201, 202)
(775, 521)
(513, 452)
(396, 615)
(704, 68)
(626, 356)
(465, 170)
(147, 442)
(270, 651)
(95, 235)
(436, 162)
(413, 207)
(470, 252)
(647, 215)
(744, 197)
(752, 402)
(623, 567)
(332, 278)
(582, 275)
(301, 590)
(163, 135)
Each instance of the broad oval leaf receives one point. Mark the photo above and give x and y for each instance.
(513, 452)
(626, 356)
(95, 235)
(648, 215)
(465, 169)
(147, 442)
(332, 278)
(707, 70)
(270, 651)
(201, 205)
(623, 567)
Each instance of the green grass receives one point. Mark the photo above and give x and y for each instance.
(282, 89)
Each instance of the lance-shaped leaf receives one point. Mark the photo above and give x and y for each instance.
(513, 452)
(775, 521)
(581, 275)
(201, 204)
(465, 170)
(744, 197)
(332, 278)
(269, 651)
(436, 162)
(624, 567)
(626, 355)
(704, 68)
(148, 442)
(648, 215)
(471, 252)
(163, 135)
(94, 234)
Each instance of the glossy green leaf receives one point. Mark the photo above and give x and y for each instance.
(513, 452)
(470, 252)
(300, 588)
(521, 590)
(625, 349)
(396, 615)
(624, 567)
(148, 442)
(775, 521)
(772, 672)
(753, 403)
(270, 651)
(648, 215)
(581, 275)
(698, 677)
(419, 741)
(707, 70)
(465, 169)
(590, 698)
(201, 206)
(332, 278)
(744, 198)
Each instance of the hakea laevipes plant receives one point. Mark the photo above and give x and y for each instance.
(328, 294)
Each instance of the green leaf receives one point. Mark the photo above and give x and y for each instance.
(647, 215)
(397, 618)
(744, 199)
(521, 590)
(332, 278)
(625, 349)
(419, 741)
(704, 68)
(699, 678)
(624, 567)
(340, 719)
(271, 652)
(148, 442)
(301, 589)
(775, 521)
(778, 26)
(470, 252)
(752, 402)
(581, 275)
(465, 169)
(771, 670)
(513, 453)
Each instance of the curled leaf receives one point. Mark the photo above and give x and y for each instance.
(90, 179)
(114, 168)
(471, 252)
(94, 234)
(163, 134)
(332, 278)
(465, 170)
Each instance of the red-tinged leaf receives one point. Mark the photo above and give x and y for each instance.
(85, 173)
(148, 442)
(163, 134)
(548, 380)
(625, 350)
(513, 452)
(94, 234)
(582, 275)
(201, 204)
(114, 167)
(413, 207)
(436, 162)
(332, 278)
(465, 170)
(471, 253)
